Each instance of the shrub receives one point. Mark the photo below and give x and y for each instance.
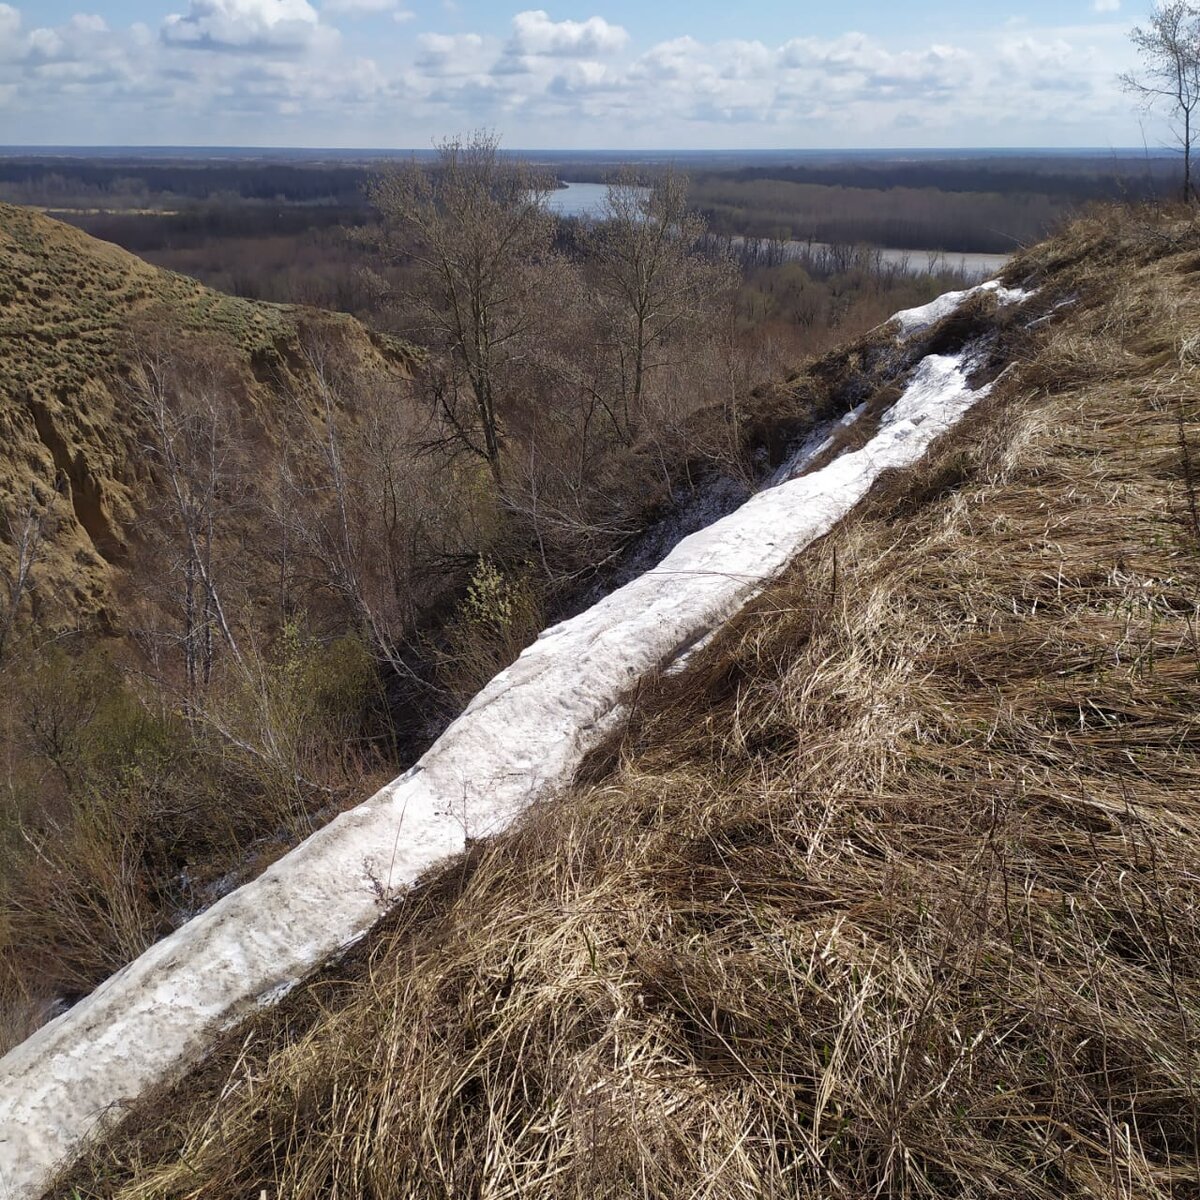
(497, 618)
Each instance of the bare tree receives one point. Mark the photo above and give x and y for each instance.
(1169, 47)
(654, 282)
(188, 442)
(477, 227)
(26, 531)
(348, 503)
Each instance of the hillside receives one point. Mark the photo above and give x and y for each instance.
(170, 606)
(74, 315)
(890, 891)
(252, 563)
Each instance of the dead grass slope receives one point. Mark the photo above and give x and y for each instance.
(72, 312)
(894, 893)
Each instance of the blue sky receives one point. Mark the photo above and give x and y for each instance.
(595, 74)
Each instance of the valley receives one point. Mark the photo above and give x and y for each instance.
(500, 701)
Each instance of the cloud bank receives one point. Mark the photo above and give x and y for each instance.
(303, 72)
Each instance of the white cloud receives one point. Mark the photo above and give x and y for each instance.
(84, 37)
(1106, 6)
(278, 73)
(448, 48)
(584, 75)
(675, 59)
(534, 33)
(12, 44)
(10, 24)
(746, 60)
(358, 8)
(244, 25)
(462, 57)
(88, 23)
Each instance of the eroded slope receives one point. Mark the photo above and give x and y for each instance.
(893, 892)
(74, 314)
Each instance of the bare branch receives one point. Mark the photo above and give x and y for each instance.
(1169, 47)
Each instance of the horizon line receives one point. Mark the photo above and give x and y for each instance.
(729, 150)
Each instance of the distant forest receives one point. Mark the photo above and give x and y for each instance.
(987, 204)
(133, 183)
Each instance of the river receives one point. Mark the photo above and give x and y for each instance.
(587, 200)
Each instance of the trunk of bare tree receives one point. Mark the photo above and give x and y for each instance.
(189, 623)
(1187, 156)
(186, 445)
(639, 378)
(491, 433)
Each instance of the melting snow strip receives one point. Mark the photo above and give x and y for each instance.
(915, 320)
(817, 442)
(521, 738)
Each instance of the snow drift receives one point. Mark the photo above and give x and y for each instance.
(914, 320)
(520, 739)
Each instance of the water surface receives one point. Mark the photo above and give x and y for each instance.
(587, 200)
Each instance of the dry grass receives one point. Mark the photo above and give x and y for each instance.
(893, 894)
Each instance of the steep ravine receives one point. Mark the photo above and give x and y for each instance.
(522, 738)
(74, 312)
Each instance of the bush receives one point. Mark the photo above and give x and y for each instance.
(122, 816)
(497, 618)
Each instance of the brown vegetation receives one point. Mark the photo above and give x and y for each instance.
(893, 892)
(906, 218)
(151, 731)
(70, 310)
(254, 557)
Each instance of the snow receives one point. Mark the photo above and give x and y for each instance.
(814, 445)
(915, 320)
(714, 498)
(521, 738)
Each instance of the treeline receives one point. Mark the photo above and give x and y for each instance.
(1077, 178)
(218, 218)
(263, 252)
(277, 253)
(965, 204)
(134, 183)
(904, 218)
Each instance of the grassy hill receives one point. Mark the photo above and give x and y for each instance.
(74, 312)
(147, 756)
(891, 893)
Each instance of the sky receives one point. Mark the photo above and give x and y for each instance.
(591, 74)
